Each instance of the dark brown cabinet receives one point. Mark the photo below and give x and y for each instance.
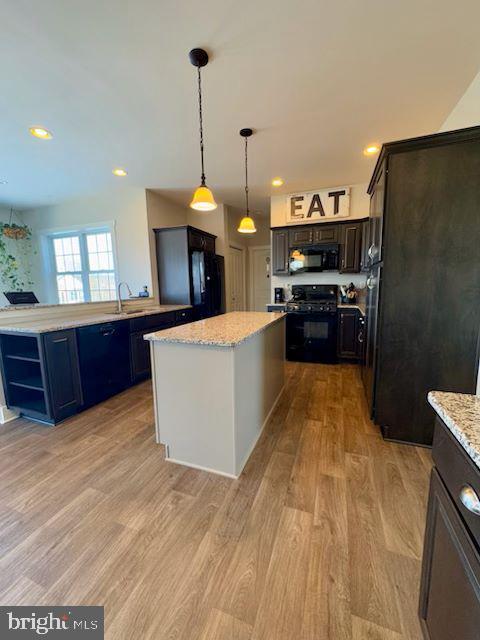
(364, 246)
(300, 237)
(280, 252)
(347, 235)
(348, 333)
(450, 589)
(326, 233)
(189, 271)
(351, 247)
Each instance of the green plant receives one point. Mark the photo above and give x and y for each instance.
(15, 256)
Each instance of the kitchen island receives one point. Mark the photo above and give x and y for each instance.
(215, 384)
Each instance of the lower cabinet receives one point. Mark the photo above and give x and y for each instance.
(63, 373)
(450, 586)
(450, 595)
(347, 344)
(51, 376)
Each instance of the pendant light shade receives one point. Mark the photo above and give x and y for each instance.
(203, 199)
(247, 225)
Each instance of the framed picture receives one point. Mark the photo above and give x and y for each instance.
(318, 205)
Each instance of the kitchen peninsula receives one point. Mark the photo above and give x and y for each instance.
(215, 384)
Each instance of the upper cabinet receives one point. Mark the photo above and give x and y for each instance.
(300, 236)
(348, 235)
(351, 241)
(280, 252)
(326, 233)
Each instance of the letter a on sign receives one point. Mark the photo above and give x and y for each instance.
(315, 206)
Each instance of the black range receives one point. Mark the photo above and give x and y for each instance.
(312, 323)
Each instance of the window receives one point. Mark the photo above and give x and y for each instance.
(84, 266)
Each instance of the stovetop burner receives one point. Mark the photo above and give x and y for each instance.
(313, 298)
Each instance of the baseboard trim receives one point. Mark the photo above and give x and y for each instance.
(197, 466)
(7, 415)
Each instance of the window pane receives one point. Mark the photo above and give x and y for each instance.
(102, 286)
(67, 254)
(70, 288)
(100, 254)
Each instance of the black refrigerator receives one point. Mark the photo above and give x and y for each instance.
(423, 280)
(189, 270)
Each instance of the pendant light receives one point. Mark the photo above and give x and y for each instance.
(203, 199)
(247, 225)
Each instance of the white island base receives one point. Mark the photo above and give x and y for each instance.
(216, 382)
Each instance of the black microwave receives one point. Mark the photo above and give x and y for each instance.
(322, 257)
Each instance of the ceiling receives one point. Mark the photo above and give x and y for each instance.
(317, 80)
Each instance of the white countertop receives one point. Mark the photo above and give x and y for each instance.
(461, 413)
(67, 322)
(227, 330)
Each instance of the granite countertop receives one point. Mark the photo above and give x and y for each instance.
(227, 330)
(461, 413)
(58, 324)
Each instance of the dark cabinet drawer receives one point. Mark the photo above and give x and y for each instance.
(182, 316)
(326, 233)
(301, 237)
(155, 322)
(450, 589)
(459, 474)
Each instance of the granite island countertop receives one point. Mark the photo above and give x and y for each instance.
(47, 325)
(461, 413)
(227, 330)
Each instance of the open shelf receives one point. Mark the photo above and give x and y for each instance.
(27, 357)
(28, 399)
(34, 382)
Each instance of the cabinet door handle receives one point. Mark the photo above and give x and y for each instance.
(470, 500)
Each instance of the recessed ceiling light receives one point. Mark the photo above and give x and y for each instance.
(41, 132)
(119, 172)
(371, 150)
(277, 182)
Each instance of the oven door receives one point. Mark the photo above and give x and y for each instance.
(312, 337)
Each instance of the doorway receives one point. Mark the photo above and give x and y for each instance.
(260, 278)
(236, 272)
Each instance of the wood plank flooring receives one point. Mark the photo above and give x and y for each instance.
(321, 537)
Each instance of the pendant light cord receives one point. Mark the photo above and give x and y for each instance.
(246, 175)
(200, 114)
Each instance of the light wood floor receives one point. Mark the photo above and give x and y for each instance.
(320, 538)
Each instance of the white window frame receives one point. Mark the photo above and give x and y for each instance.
(48, 255)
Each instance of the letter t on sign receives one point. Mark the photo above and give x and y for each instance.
(294, 207)
(336, 200)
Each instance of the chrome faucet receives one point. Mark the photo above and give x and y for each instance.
(119, 299)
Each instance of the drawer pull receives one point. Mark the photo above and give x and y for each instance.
(470, 500)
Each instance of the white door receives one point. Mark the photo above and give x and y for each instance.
(260, 278)
(236, 274)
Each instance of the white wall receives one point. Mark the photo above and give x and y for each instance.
(466, 112)
(126, 206)
(359, 208)
(161, 212)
